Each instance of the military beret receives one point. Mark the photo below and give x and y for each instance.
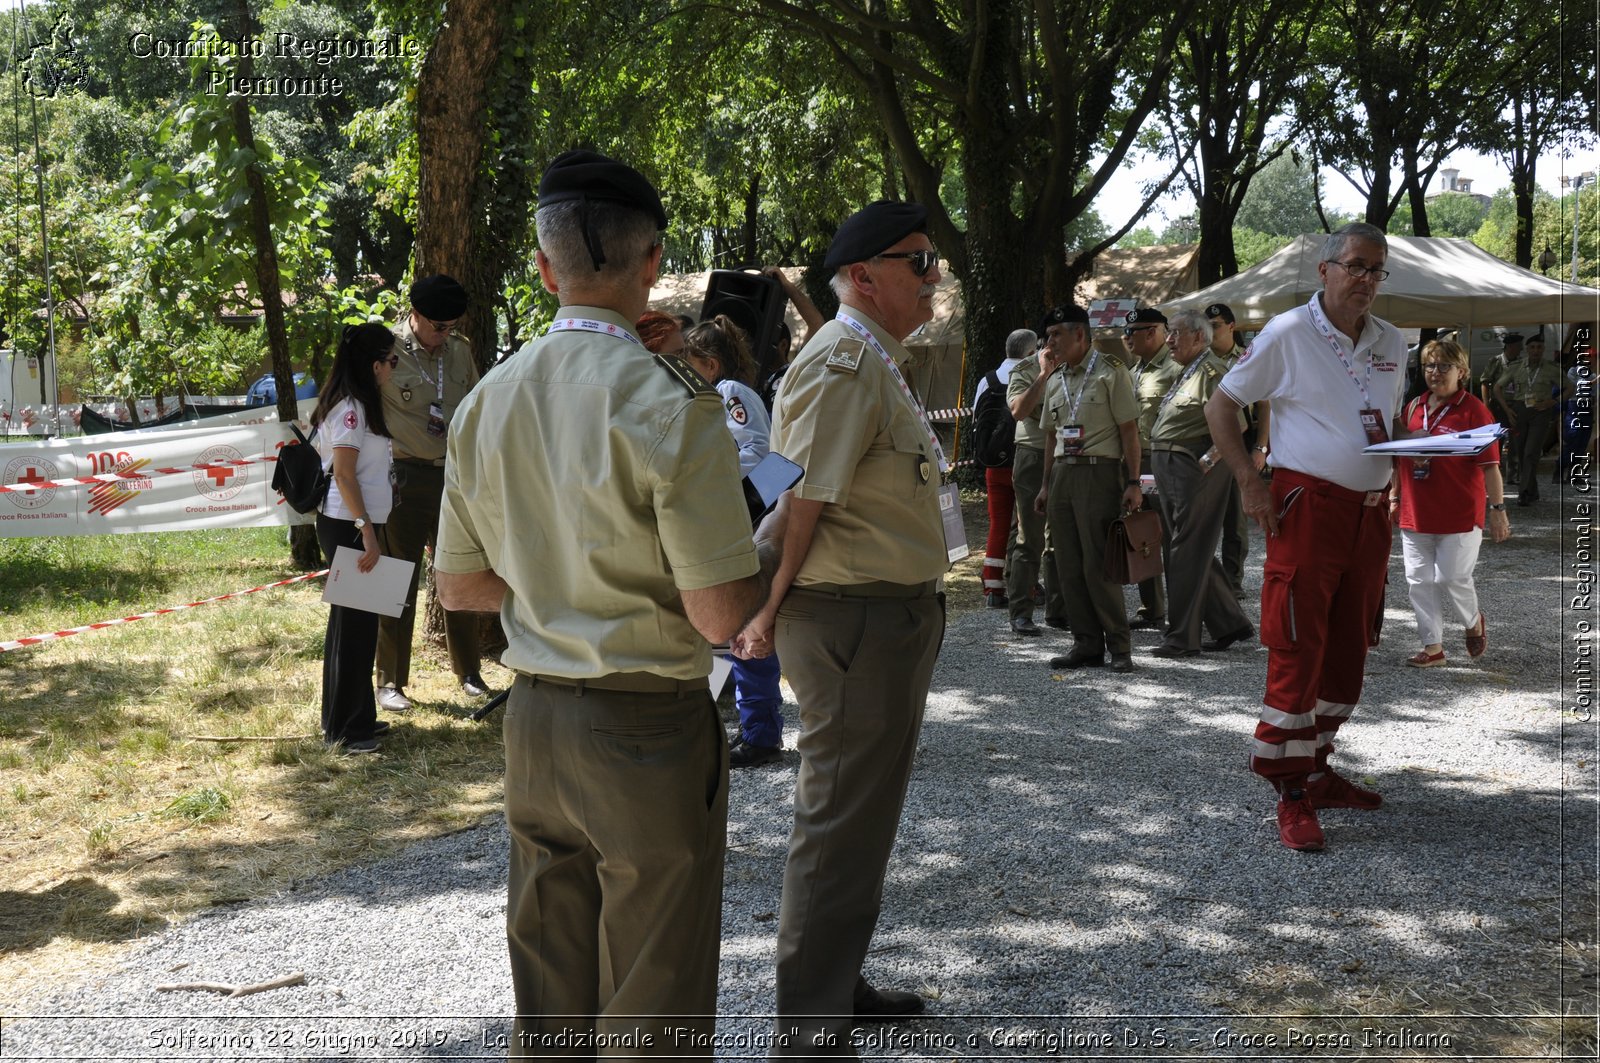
(1148, 315)
(1512, 337)
(874, 229)
(439, 297)
(1219, 311)
(1065, 314)
(579, 175)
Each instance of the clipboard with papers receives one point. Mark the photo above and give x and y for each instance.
(1449, 445)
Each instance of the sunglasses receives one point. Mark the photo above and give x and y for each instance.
(391, 361)
(443, 326)
(921, 261)
(1129, 332)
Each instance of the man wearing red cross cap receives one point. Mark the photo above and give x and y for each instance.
(1335, 376)
(857, 614)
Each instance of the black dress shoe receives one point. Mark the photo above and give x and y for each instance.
(381, 728)
(1079, 659)
(883, 1004)
(1141, 622)
(1024, 625)
(744, 755)
(1166, 649)
(1217, 645)
(393, 699)
(474, 685)
(1057, 623)
(1121, 662)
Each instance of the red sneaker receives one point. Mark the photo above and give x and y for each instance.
(1335, 791)
(1297, 825)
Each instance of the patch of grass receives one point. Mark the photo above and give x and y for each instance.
(122, 809)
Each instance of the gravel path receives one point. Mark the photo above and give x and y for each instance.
(1085, 867)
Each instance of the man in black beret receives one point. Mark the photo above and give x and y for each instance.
(593, 499)
(1235, 525)
(1500, 368)
(857, 616)
(435, 372)
(1154, 372)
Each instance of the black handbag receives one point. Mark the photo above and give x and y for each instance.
(300, 477)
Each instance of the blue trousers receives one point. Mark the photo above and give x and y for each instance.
(760, 704)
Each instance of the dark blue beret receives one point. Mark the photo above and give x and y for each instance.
(439, 297)
(874, 229)
(1147, 315)
(1065, 314)
(581, 174)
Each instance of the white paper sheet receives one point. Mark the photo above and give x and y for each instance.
(1452, 444)
(383, 590)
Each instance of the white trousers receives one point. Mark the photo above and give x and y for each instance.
(1439, 567)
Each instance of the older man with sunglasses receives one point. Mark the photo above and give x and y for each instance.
(435, 372)
(1334, 374)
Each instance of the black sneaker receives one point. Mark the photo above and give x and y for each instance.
(744, 755)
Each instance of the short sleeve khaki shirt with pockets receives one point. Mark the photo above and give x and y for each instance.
(413, 387)
(1107, 402)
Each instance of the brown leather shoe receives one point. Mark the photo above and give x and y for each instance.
(882, 1005)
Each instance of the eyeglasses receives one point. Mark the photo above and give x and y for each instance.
(921, 261)
(391, 361)
(1128, 332)
(443, 326)
(1438, 367)
(1358, 271)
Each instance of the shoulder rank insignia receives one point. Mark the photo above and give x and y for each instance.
(845, 356)
(684, 374)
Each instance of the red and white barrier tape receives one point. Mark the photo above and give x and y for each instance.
(948, 415)
(34, 640)
(141, 474)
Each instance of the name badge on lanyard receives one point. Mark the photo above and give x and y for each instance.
(1071, 436)
(955, 529)
(1372, 424)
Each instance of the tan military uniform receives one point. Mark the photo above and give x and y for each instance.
(1523, 384)
(858, 634)
(1193, 504)
(414, 385)
(1151, 380)
(597, 483)
(1086, 496)
(1030, 553)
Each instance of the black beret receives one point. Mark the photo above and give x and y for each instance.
(1148, 315)
(439, 298)
(580, 174)
(874, 229)
(1065, 314)
(1219, 310)
(1513, 337)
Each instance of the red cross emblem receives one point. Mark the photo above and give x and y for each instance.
(219, 476)
(30, 477)
(1110, 313)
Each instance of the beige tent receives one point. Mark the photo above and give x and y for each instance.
(1433, 282)
(1151, 275)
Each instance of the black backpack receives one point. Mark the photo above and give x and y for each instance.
(994, 430)
(300, 477)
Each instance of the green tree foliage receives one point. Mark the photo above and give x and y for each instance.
(1553, 223)
(1281, 200)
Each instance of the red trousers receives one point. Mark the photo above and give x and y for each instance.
(1002, 512)
(1321, 609)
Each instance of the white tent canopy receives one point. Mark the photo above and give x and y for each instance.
(1433, 282)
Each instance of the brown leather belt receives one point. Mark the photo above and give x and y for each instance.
(1086, 459)
(874, 589)
(623, 682)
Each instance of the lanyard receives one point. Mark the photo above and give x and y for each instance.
(1444, 407)
(1072, 406)
(905, 389)
(438, 384)
(1365, 387)
(1182, 380)
(585, 324)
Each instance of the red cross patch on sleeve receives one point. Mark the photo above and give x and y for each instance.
(737, 411)
(351, 420)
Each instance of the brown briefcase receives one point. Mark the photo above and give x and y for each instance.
(1133, 549)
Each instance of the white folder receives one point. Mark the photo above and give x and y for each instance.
(383, 590)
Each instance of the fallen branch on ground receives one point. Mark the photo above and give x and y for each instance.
(248, 738)
(297, 978)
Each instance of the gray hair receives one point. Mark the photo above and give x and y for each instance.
(1192, 321)
(623, 235)
(1021, 343)
(1333, 247)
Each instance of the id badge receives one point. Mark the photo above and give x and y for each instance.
(1071, 437)
(955, 529)
(1419, 469)
(436, 424)
(1372, 425)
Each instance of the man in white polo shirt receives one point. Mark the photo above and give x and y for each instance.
(1334, 375)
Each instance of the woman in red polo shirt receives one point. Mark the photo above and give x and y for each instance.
(1441, 506)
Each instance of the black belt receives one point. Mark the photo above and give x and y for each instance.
(873, 589)
(623, 682)
(430, 463)
(1194, 447)
(1086, 459)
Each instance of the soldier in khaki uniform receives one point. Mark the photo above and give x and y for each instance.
(592, 497)
(1193, 501)
(435, 372)
(1235, 525)
(1033, 380)
(1531, 392)
(1153, 373)
(1091, 478)
(1509, 358)
(858, 617)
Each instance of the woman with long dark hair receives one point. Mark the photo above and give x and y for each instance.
(354, 443)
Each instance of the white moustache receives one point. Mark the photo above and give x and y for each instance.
(926, 291)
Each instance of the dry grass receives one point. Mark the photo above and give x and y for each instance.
(115, 820)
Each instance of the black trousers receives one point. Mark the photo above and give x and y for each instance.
(349, 703)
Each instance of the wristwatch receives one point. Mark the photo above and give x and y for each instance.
(1497, 505)
(360, 522)
(1262, 449)
(1132, 483)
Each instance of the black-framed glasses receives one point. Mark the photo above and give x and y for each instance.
(443, 326)
(921, 261)
(1359, 271)
(1438, 367)
(1129, 331)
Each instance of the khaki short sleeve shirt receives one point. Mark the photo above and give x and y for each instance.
(597, 484)
(1525, 384)
(1153, 378)
(1029, 432)
(1108, 402)
(842, 417)
(1184, 416)
(413, 387)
